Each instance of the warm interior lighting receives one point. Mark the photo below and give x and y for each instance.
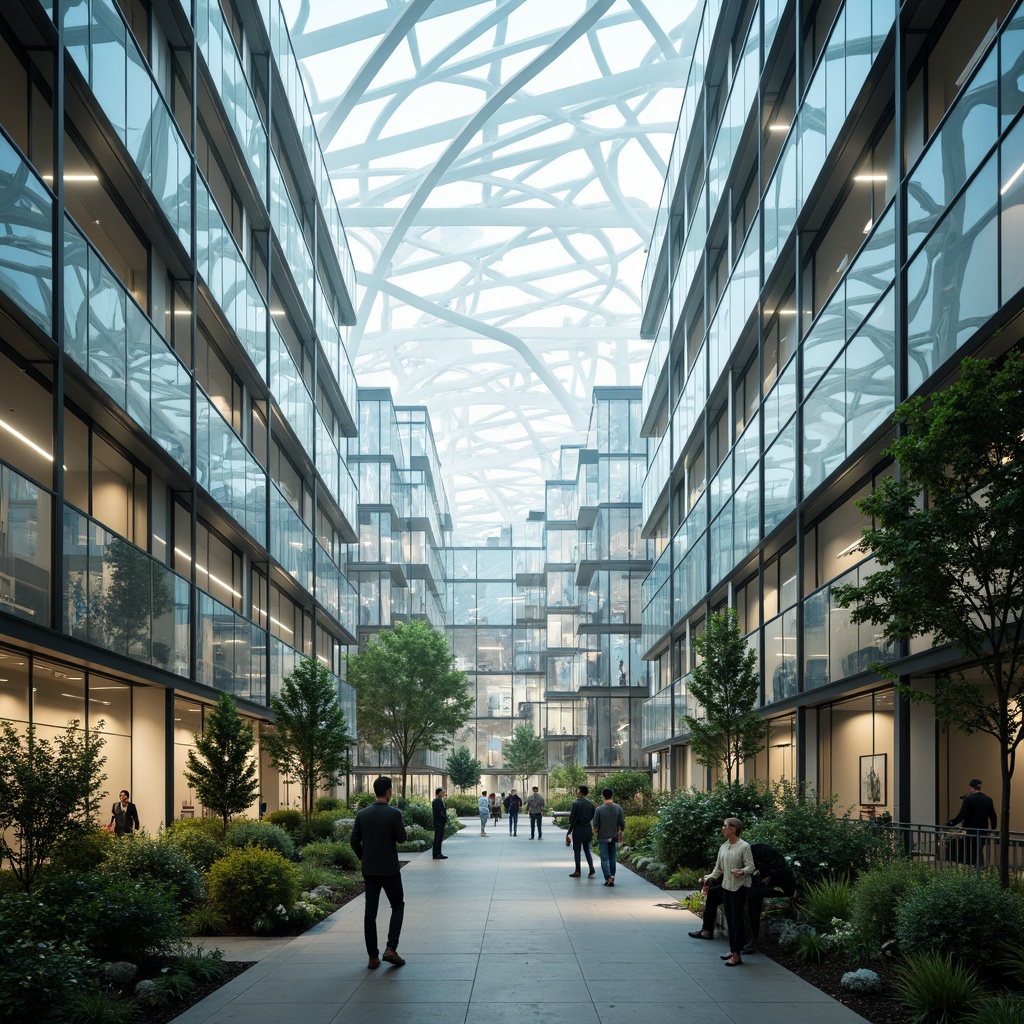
(871, 177)
(1016, 174)
(209, 575)
(92, 700)
(24, 440)
(74, 177)
(779, 126)
(867, 227)
(849, 549)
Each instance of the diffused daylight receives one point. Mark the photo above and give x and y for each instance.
(498, 164)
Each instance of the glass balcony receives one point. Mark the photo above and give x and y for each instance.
(288, 387)
(231, 651)
(333, 343)
(291, 541)
(289, 233)
(26, 514)
(26, 241)
(107, 334)
(104, 48)
(121, 598)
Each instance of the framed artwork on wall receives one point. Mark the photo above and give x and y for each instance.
(872, 779)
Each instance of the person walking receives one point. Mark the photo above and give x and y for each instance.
(535, 805)
(376, 833)
(440, 822)
(485, 812)
(580, 833)
(609, 824)
(512, 804)
(124, 816)
(977, 811)
(735, 867)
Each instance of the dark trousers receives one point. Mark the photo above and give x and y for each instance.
(392, 886)
(755, 900)
(513, 822)
(535, 822)
(438, 839)
(582, 842)
(734, 902)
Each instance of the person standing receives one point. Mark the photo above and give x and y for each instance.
(977, 811)
(376, 833)
(485, 812)
(580, 833)
(512, 804)
(440, 822)
(735, 867)
(535, 805)
(609, 824)
(124, 816)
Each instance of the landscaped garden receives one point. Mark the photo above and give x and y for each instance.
(900, 942)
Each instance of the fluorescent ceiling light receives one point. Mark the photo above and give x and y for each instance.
(1016, 174)
(74, 177)
(871, 177)
(779, 126)
(24, 440)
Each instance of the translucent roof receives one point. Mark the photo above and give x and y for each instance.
(498, 164)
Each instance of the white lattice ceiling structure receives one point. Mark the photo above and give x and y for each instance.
(498, 164)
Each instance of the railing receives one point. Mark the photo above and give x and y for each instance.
(26, 511)
(231, 651)
(938, 847)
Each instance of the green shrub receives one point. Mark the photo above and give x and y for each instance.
(323, 826)
(632, 791)
(937, 989)
(288, 818)
(811, 947)
(464, 804)
(826, 901)
(202, 967)
(958, 914)
(339, 855)
(200, 847)
(639, 831)
(1001, 1009)
(83, 849)
(113, 918)
(205, 920)
(686, 878)
(142, 859)
(212, 826)
(689, 829)
(251, 882)
(876, 895)
(329, 803)
(418, 812)
(39, 978)
(259, 833)
(816, 841)
(357, 801)
(99, 1007)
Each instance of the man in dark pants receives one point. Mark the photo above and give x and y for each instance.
(976, 812)
(581, 814)
(440, 821)
(375, 836)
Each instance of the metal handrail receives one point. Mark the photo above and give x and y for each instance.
(940, 846)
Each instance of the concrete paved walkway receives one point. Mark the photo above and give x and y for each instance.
(499, 934)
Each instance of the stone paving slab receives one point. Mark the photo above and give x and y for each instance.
(499, 934)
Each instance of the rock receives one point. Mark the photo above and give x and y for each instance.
(145, 991)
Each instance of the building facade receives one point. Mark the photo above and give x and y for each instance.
(175, 499)
(837, 230)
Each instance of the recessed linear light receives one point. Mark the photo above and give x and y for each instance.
(24, 440)
(74, 177)
(92, 700)
(867, 227)
(1016, 174)
(871, 177)
(779, 126)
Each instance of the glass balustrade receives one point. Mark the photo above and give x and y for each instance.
(288, 387)
(25, 548)
(289, 233)
(291, 541)
(332, 341)
(119, 597)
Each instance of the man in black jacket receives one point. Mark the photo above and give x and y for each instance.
(976, 812)
(581, 814)
(375, 836)
(440, 821)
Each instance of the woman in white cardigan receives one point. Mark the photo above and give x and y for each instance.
(735, 867)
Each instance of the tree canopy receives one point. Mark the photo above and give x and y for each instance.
(725, 684)
(222, 769)
(310, 741)
(47, 789)
(409, 694)
(952, 564)
(464, 770)
(524, 755)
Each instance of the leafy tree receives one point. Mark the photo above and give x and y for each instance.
(221, 769)
(464, 770)
(567, 778)
(47, 788)
(127, 620)
(953, 565)
(524, 755)
(632, 789)
(408, 694)
(725, 684)
(310, 740)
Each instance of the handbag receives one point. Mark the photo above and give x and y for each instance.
(568, 839)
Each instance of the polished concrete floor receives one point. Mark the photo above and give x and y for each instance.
(499, 933)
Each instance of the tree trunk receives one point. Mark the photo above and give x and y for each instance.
(1004, 826)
